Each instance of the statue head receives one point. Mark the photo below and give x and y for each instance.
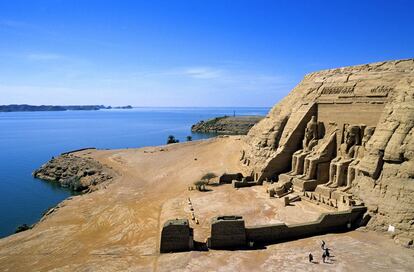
(311, 131)
(352, 136)
(368, 132)
(313, 119)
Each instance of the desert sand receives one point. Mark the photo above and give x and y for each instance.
(117, 228)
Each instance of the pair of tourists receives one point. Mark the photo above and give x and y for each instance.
(325, 255)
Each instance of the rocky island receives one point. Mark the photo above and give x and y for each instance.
(24, 107)
(231, 125)
(332, 161)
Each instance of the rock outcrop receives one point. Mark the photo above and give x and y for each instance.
(78, 173)
(25, 107)
(375, 98)
(237, 125)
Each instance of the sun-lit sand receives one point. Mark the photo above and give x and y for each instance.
(118, 227)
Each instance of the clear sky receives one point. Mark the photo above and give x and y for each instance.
(188, 53)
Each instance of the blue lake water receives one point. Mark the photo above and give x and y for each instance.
(29, 139)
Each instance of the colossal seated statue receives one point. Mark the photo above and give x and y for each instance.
(353, 167)
(340, 198)
(309, 142)
(338, 168)
(349, 154)
(321, 155)
(316, 162)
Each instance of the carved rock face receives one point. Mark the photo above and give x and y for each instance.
(378, 95)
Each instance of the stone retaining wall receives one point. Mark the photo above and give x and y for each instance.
(229, 231)
(329, 222)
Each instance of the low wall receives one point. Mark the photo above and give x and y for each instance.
(329, 222)
(227, 232)
(230, 231)
(242, 184)
(228, 178)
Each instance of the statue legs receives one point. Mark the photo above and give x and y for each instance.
(310, 166)
(294, 163)
(298, 161)
(338, 174)
(341, 173)
(332, 173)
(352, 173)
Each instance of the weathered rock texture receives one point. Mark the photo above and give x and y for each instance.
(77, 173)
(379, 95)
(238, 125)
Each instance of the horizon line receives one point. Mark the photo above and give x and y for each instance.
(66, 105)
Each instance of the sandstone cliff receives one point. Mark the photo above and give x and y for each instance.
(378, 94)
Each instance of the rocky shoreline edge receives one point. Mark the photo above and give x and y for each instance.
(231, 125)
(80, 174)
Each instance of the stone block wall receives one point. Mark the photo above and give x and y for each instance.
(329, 222)
(228, 178)
(176, 235)
(230, 231)
(227, 232)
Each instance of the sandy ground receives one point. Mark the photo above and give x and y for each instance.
(118, 228)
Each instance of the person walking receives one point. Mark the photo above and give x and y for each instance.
(323, 245)
(327, 253)
(310, 257)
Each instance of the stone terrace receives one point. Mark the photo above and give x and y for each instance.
(252, 203)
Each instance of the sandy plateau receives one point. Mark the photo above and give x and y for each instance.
(117, 228)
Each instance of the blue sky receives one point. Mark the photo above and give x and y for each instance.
(188, 53)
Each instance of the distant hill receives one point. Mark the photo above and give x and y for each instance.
(25, 107)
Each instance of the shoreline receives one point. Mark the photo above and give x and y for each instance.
(89, 188)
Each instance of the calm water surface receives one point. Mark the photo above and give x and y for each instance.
(29, 139)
